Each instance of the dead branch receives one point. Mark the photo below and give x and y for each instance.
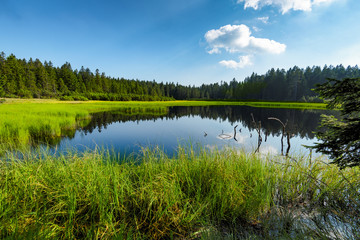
(284, 133)
(258, 129)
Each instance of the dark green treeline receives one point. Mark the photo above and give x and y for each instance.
(34, 79)
(28, 79)
(295, 84)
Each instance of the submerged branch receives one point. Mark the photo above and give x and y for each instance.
(258, 129)
(235, 133)
(284, 133)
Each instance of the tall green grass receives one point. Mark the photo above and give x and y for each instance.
(24, 123)
(195, 194)
(21, 122)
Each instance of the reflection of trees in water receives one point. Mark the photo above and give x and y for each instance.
(101, 120)
(299, 122)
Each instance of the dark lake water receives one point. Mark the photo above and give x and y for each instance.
(211, 126)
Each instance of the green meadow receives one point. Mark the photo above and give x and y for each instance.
(196, 194)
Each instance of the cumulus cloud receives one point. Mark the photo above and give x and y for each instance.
(237, 38)
(243, 62)
(285, 5)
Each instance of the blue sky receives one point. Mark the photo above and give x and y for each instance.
(189, 41)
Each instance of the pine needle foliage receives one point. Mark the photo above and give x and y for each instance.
(341, 138)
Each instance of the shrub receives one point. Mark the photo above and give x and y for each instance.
(66, 98)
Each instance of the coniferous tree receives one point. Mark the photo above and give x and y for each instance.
(341, 140)
(23, 78)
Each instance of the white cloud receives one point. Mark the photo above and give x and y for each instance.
(267, 45)
(285, 5)
(243, 62)
(256, 29)
(237, 38)
(264, 19)
(315, 2)
(214, 50)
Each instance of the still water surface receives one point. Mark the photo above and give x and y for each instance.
(211, 126)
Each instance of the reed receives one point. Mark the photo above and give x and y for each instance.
(195, 194)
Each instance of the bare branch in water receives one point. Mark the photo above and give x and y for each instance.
(235, 133)
(258, 129)
(284, 133)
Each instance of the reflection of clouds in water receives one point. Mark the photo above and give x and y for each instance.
(240, 151)
(211, 147)
(264, 150)
(215, 147)
(224, 136)
(268, 150)
(241, 139)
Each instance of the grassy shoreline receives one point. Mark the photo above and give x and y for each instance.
(24, 120)
(197, 194)
(107, 104)
(217, 195)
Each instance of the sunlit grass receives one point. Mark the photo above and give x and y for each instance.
(271, 104)
(197, 193)
(23, 121)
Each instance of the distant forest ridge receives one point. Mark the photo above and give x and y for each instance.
(34, 79)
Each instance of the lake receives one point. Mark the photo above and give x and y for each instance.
(210, 126)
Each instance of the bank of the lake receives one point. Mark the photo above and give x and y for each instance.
(23, 121)
(197, 194)
(108, 104)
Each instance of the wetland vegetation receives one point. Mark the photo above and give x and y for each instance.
(196, 193)
(200, 192)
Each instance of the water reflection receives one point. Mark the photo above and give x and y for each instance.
(253, 129)
(300, 123)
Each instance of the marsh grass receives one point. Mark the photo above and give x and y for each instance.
(195, 194)
(30, 123)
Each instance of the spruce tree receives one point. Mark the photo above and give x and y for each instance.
(341, 138)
